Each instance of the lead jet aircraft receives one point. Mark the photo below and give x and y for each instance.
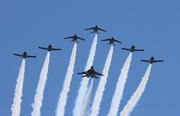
(24, 55)
(111, 41)
(91, 72)
(95, 29)
(152, 60)
(49, 48)
(132, 49)
(75, 37)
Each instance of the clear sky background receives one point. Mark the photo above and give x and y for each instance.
(152, 25)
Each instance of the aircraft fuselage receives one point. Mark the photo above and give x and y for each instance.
(132, 48)
(151, 60)
(24, 55)
(111, 41)
(49, 47)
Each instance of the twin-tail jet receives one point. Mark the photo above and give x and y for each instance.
(152, 60)
(75, 37)
(91, 72)
(132, 49)
(49, 48)
(24, 55)
(95, 29)
(111, 40)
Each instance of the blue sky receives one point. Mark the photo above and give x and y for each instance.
(152, 25)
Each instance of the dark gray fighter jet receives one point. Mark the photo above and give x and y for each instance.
(132, 49)
(152, 60)
(90, 73)
(95, 29)
(75, 37)
(111, 40)
(24, 55)
(49, 48)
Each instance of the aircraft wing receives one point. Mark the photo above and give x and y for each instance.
(81, 73)
(28, 56)
(20, 55)
(158, 61)
(89, 28)
(126, 49)
(96, 73)
(102, 29)
(145, 60)
(117, 41)
(81, 38)
(69, 37)
(105, 39)
(43, 48)
(138, 49)
(55, 48)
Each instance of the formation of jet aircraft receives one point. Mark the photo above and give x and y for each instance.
(112, 40)
(75, 37)
(49, 48)
(24, 55)
(90, 73)
(95, 29)
(132, 49)
(151, 60)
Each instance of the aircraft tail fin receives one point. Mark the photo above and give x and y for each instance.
(84, 76)
(95, 32)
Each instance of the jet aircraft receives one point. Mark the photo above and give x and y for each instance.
(152, 60)
(111, 41)
(132, 49)
(91, 72)
(49, 48)
(24, 55)
(95, 29)
(75, 37)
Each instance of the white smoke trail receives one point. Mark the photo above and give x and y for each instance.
(83, 87)
(101, 87)
(63, 96)
(120, 87)
(137, 94)
(16, 106)
(40, 88)
(88, 99)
